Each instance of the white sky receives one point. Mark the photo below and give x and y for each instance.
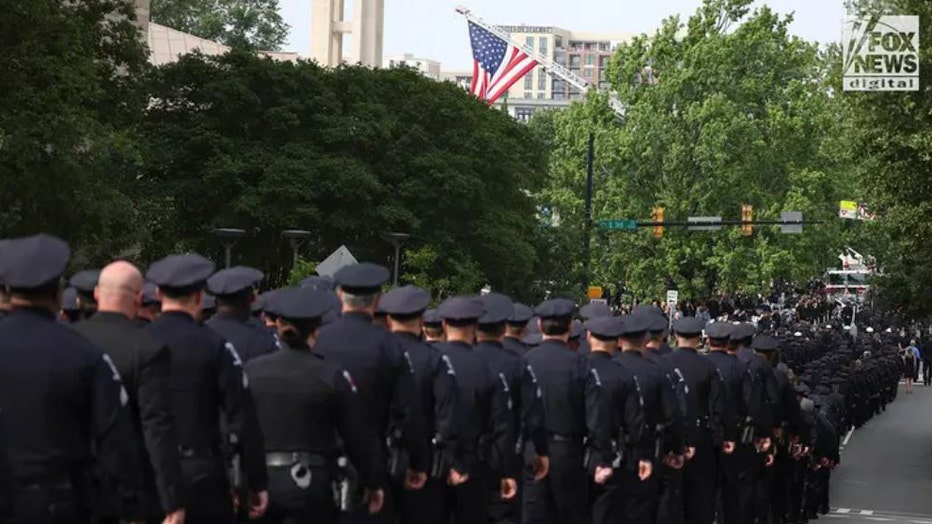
(431, 28)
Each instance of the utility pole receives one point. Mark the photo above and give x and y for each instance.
(587, 227)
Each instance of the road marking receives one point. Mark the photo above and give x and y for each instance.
(867, 512)
(842, 510)
(848, 437)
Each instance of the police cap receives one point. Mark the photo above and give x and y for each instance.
(336, 307)
(318, 282)
(604, 328)
(595, 310)
(658, 323)
(636, 323)
(498, 308)
(533, 339)
(33, 262)
(719, 330)
(405, 301)
(688, 327)
(521, 314)
(299, 304)
(85, 281)
(649, 308)
(576, 330)
(743, 331)
(234, 280)
(149, 296)
(765, 343)
(209, 303)
(461, 308)
(69, 299)
(181, 272)
(362, 279)
(432, 318)
(555, 308)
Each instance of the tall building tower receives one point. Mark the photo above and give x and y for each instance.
(328, 26)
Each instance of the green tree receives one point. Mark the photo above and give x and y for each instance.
(68, 100)
(262, 145)
(740, 114)
(255, 24)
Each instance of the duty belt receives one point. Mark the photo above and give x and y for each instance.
(195, 453)
(290, 458)
(568, 439)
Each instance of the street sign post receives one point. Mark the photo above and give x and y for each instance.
(711, 223)
(673, 298)
(791, 229)
(618, 224)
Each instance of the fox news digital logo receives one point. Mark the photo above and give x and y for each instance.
(881, 54)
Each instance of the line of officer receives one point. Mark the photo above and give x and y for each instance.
(145, 366)
(516, 328)
(487, 434)
(234, 290)
(435, 383)
(383, 376)
(303, 403)
(632, 444)
(206, 377)
(65, 409)
(525, 399)
(571, 395)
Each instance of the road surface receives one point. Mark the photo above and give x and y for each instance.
(886, 471)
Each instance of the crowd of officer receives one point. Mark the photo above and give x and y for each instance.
(180, 396)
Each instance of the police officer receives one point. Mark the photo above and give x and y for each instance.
(304, 402)
(145, 366)
(571, 390)
(487, 433)
(435, 383)
(206, 377)
(149, 308)
(516, 328)
(65, 408)
(433, 327)
(705, 428)
(382, 372)
(84, 283)
(632, 444)
(525, 399)
(234, 289)
(644, 499)
(6, 475)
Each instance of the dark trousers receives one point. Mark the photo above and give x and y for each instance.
(762, 490)
(37, 504)
(423, 506)
(292, 504)
(926, 372)
(562, 497)
(699, 478)
(208, 497)
(505, 511)
(624, 499)
(468, 503)
(669, 496)
(736, 488)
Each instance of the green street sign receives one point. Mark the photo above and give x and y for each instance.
(618, 224)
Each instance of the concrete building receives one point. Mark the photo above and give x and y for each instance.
(329, 25)
(426, 66)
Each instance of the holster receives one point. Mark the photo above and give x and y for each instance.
(440, 466)
(347, 493)
(398, 457)
(747, 431)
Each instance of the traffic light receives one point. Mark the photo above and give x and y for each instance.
(657, 216)
(747, 216)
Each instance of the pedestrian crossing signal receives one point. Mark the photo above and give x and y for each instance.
(747, 217)
(657, 216)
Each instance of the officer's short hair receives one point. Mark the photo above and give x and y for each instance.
(433, 331)
(497, 329)
(359, 301)
(556, 326)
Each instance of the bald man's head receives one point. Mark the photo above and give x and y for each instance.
(119, 289)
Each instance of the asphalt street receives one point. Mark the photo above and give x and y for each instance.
(886, 470)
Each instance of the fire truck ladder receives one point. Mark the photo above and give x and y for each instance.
(549, 66)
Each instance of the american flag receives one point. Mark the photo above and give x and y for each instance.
(497, 64)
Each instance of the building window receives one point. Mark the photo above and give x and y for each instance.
(543, 46)
(605, 46)
(541, 96)
(590, 60)
(528, 95)
(541, 81)
(530, 42)
(529, 81)
(557, 42)
(574, 61)
(587, 73)
(523, 114)
(603, 61)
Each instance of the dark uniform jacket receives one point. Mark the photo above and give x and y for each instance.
(63, 398)
(249, 340)
(145, 366)
(744, 398)
(304, 403)
(623, 406)
(705, 399)
(207, 377)
(660, 408)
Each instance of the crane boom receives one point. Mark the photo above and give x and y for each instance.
(549, 66)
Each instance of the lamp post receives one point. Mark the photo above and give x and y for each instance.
(295, 237)
(228, 237)
(397, 240)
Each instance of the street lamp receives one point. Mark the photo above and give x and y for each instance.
(295, 237)
(228, 237)
(397, 240)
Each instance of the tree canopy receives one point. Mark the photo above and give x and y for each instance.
(254, 24)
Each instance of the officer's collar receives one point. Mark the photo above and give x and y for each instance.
(110, 316)
(178, 314)
(358, 315)
(493, 343)
(34, 311)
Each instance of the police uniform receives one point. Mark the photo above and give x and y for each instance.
(487, 433)
(149, 307)
(207, 377)
(631, 441)
(70, 312)
(145, 366)
(304, 403)
(518, 321)
(234, 288)
(84, 283)
(382, 373)
(6, 475)
(525, 398)
(571, 391)
(65, 409)
(435, 384)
